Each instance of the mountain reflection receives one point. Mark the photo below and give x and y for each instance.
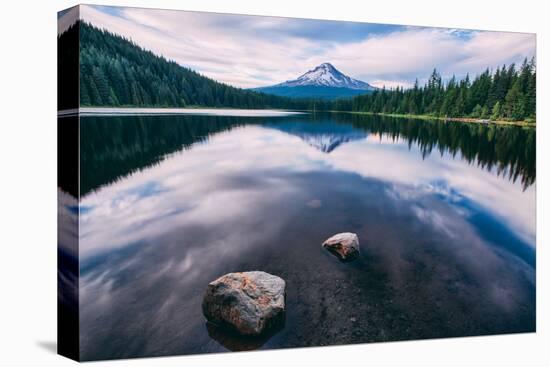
(113, 147)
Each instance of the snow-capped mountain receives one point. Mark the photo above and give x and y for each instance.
(326, 75)
(323, 81)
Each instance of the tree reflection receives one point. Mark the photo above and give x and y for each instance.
(511, 150)
(112, 147)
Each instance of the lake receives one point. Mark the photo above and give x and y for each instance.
(445, 214)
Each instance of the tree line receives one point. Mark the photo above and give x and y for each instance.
(506, 93)
(114, 71)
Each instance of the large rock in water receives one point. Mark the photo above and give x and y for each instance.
(249, 302)
(344, 245)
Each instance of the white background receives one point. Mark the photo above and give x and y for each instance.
(28, 183)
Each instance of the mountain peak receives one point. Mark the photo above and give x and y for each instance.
(323, 81)
(326, 75)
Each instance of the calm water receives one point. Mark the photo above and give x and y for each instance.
(445, 214)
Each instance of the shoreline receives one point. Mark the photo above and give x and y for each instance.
(89, 110)
(144, 111)
(472, 120)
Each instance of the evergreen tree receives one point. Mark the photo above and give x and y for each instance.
(477, 111)
(496, 113)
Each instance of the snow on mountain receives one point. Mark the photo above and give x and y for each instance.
(326, 75)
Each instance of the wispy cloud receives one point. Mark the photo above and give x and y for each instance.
(250, 51)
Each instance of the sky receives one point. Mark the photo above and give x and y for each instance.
(256, 51)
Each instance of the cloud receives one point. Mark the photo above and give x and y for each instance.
(391, 84)
(399, 57)
(252, 51)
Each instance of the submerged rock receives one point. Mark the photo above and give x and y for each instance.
(343, 245)
(249, 302)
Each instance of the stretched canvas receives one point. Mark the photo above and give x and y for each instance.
(234, 182)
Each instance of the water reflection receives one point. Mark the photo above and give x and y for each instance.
(115, 146)
(238, 343)
(447, 246)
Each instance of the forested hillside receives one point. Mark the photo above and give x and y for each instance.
(114, 71)
(508, 93)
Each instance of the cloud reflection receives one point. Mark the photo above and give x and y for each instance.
(256, 197)
(414, 175)
(205, 178)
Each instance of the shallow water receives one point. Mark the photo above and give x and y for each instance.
(445, 214)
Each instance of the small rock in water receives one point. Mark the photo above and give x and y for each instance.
(249, 302)
(344, 245)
